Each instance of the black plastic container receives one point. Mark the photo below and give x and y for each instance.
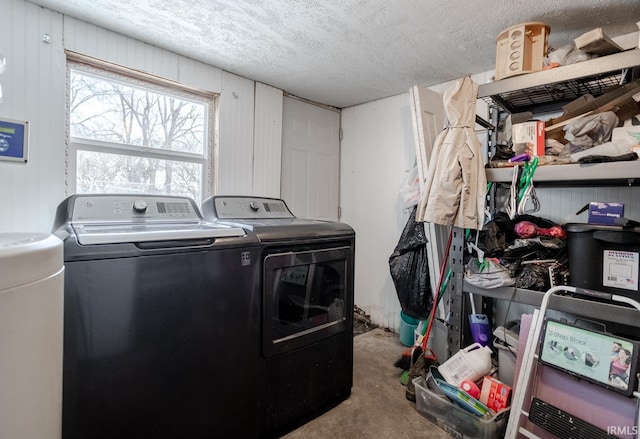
(604, 258)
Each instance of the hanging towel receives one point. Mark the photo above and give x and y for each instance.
(454, 191)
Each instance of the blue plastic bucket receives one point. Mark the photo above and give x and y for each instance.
(408, 326)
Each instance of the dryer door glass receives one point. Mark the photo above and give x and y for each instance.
(305, 296)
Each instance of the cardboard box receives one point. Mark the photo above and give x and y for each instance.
(595, 41)
(495, 394)
(605, 213)
(528, 138)
(629, 130)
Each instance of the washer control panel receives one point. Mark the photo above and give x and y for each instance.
(112, 219)
(132, 208)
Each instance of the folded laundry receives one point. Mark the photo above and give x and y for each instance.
(488, 274)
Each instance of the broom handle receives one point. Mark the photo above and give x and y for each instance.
(432, 314)
(443, 287)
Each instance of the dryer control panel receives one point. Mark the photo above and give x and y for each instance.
(248, 208)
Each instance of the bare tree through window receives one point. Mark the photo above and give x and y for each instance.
(135, 139)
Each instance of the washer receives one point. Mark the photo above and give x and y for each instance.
(161, 320)
(306, 355)
(31, 313)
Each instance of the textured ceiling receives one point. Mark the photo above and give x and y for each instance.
(345, 52)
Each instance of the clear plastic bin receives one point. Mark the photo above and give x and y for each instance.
(453, 419)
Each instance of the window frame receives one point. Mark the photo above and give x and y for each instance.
(116, 73)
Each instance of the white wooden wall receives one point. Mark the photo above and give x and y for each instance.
(377, 153)
(561, 204)
(268, 141)
(110, 46)
(34, 86)
(236, 131)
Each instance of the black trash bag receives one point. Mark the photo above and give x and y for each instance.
(494, 240)
(409, 267)
(534, 277)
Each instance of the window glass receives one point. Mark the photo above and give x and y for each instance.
(99, 172)
(128, 136)
(308, 296)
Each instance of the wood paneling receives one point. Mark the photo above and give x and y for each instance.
(235, 168)
(110, 46)
(267, 141)
(34, 90)
(377, 154)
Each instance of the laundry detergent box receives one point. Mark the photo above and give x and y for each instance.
(495, 394)
(528, 138)
(605, 213)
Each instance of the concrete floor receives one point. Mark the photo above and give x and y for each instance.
(377, 407)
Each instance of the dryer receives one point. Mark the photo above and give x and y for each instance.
(307, 269)
(161, 320)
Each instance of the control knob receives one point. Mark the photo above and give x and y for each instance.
(140, 206)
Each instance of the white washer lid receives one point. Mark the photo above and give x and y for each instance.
(28, 257)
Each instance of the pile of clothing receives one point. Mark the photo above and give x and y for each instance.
(526, 252)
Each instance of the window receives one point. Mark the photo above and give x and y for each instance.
(127, 135)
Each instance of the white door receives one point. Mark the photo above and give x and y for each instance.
(310, 160)
(428, 117)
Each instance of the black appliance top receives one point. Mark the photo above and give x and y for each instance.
(270, 219)
(111, 223)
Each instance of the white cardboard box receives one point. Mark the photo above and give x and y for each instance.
(528, 138)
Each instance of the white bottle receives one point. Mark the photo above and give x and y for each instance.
(470, 363)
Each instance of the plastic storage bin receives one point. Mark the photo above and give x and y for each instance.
(407, 327)
(506, 363)
(506, 344)
(453, 419)
(604, 258)
(438, 339)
